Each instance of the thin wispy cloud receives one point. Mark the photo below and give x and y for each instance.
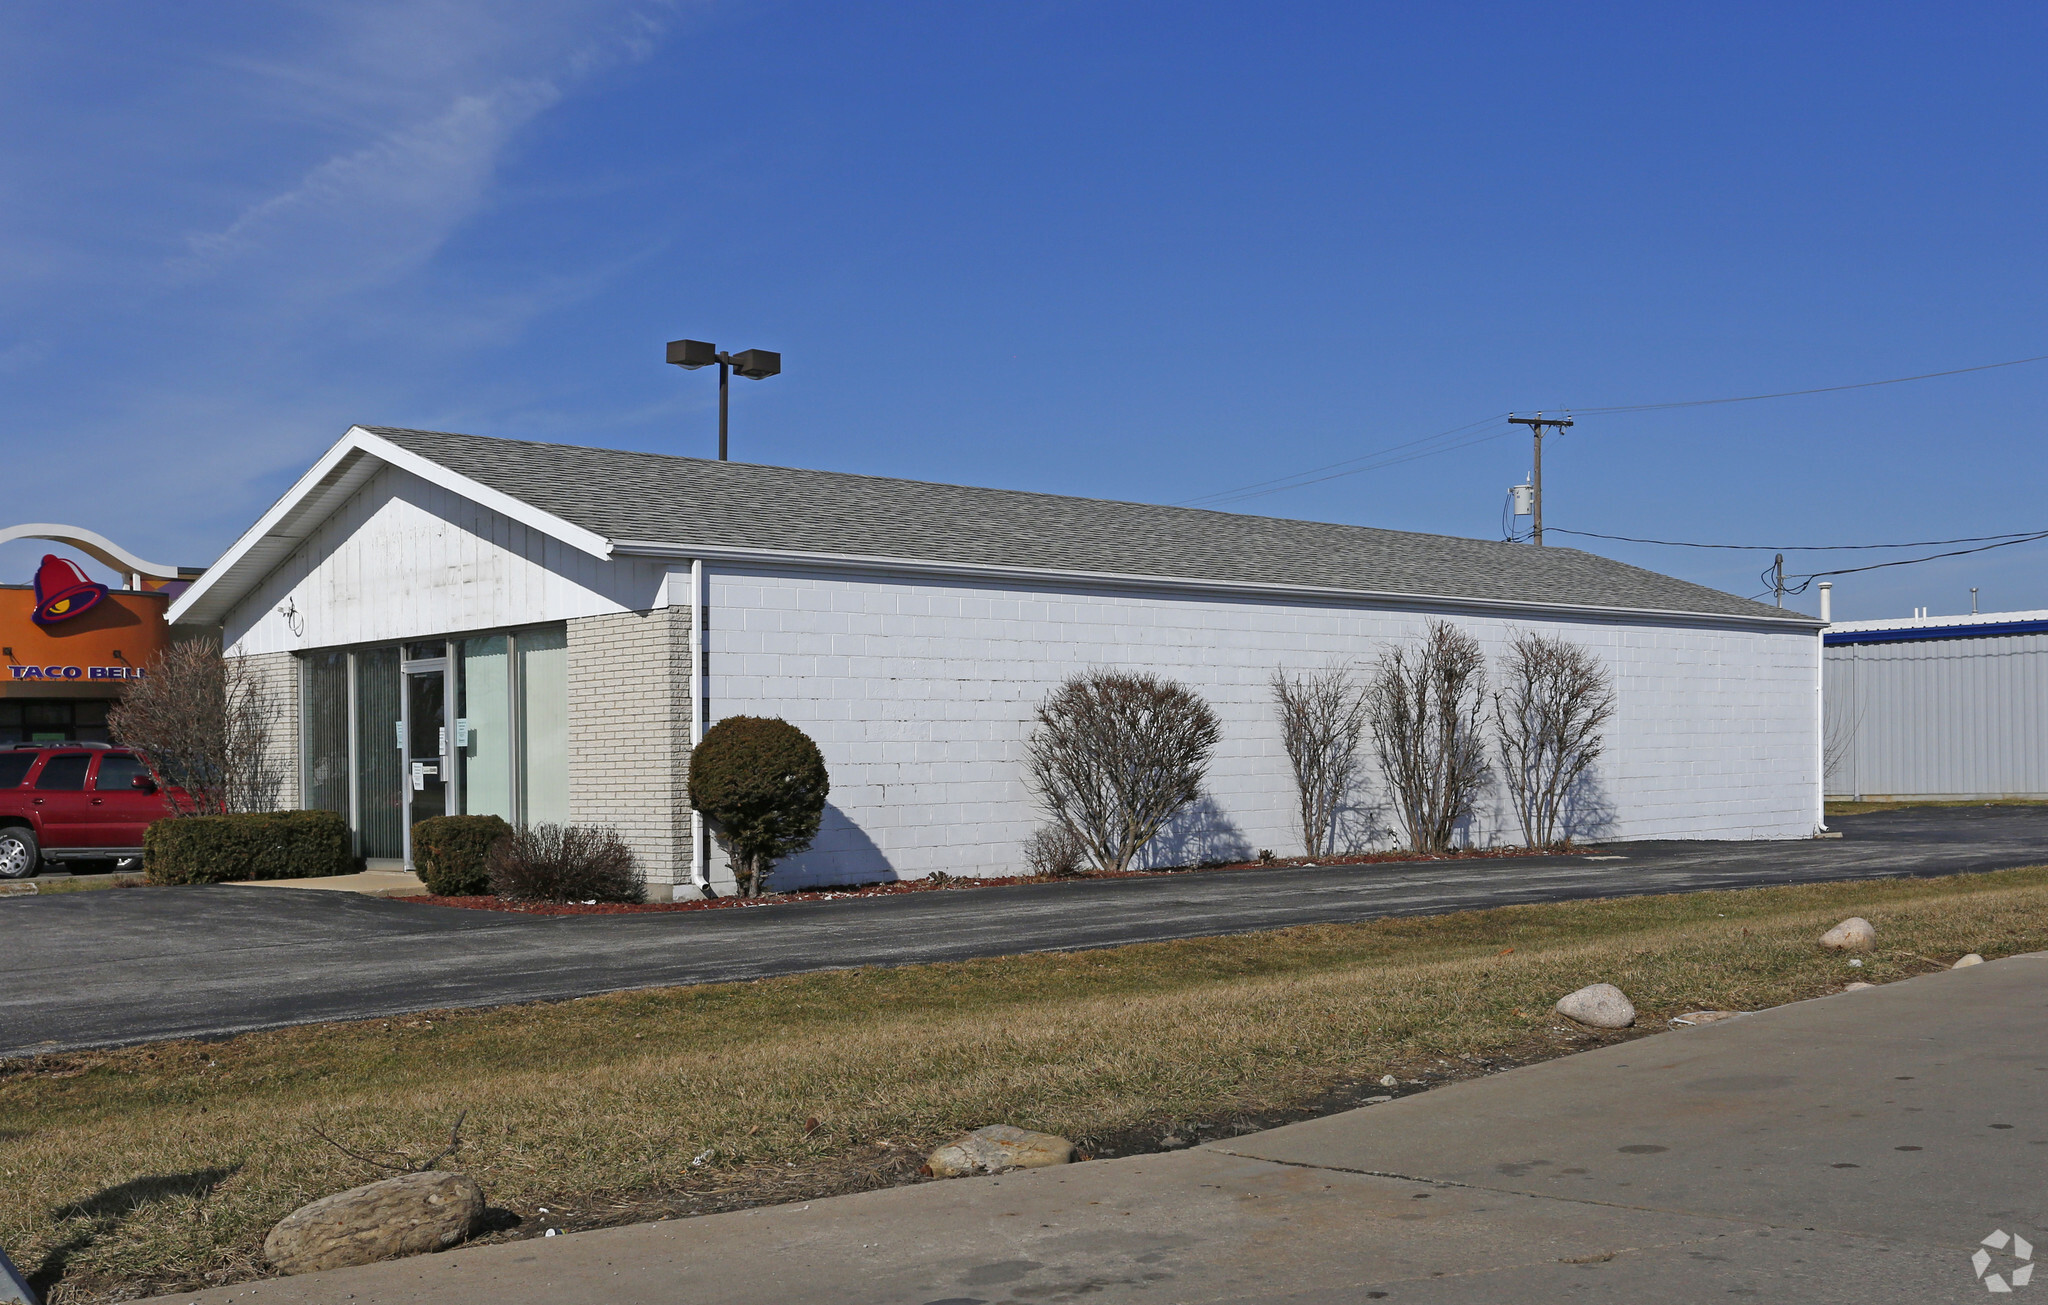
(360, 218)
(288, 186)
(383, 207)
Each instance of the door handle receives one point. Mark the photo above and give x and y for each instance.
(38, 802)
(98, 801)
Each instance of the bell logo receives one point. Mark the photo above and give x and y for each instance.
(2018, 1248)
(63, 590)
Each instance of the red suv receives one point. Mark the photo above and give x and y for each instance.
(75, 802)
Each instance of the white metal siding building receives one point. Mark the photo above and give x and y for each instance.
(460, 623)
(1947, 707)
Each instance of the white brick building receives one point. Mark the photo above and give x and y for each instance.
(488, 625)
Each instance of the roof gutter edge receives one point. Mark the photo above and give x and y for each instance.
(926, 566)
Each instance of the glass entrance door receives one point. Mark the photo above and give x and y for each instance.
(426, 748)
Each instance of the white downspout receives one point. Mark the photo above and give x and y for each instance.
(700, 855)
(1820, 668)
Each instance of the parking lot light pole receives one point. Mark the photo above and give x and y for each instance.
(754, 364)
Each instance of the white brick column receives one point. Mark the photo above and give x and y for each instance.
(275, 677)
(629, 736)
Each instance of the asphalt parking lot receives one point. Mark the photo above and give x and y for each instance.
(98, 969)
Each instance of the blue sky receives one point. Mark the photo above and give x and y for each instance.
(1144, 251)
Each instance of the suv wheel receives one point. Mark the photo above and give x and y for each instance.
(19, 854)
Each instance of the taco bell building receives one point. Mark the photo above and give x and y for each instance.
(451, 623)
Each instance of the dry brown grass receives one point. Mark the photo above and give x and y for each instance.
(1845, 807)
(164, 1165)
(86, 883)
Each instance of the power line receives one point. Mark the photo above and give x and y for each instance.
(2017, 536)
(1279, 484)
(1374, 461)
(1793, 394)
(1810, 577)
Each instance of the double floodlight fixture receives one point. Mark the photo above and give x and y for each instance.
(754, 364)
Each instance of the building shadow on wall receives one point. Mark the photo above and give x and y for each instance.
(1588, 812)
(842, 854)
(1198, 834)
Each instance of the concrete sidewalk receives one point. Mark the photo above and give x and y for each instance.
(1851, 1149)
(370, 883)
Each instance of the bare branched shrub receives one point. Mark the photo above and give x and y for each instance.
(564, 863)
(1548, 715)
(1424, 706)
(1322, 724)
(1055, 853)
(205, 721)
(1115, 754)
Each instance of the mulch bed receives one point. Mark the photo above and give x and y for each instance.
(944, 882)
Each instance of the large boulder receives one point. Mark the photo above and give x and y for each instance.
(398, 1216)
(998, 1147)
(1851, 935)
(1599, 1005)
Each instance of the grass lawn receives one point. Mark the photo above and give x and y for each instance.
(85, 883)
(163, 1166)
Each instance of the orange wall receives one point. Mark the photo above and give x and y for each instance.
(117, 637)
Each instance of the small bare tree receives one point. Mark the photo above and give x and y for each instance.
(205, 721)
(1548, 715)
(1424, 706)
(1114, 755)
(1838, 745)
(1322, 724)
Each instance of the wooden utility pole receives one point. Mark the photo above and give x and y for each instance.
(1536, 425)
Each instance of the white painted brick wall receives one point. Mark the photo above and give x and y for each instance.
(629, 733)
(276, 678)
(921, 697)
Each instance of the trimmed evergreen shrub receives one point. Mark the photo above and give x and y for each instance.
(761, 783)
(565, 863)
(251, 845)
(449, 853)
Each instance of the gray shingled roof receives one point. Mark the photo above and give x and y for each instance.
(659, 498)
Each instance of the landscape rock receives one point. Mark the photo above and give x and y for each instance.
(1858, 986)
(996, 1148)
(1388, 1080)
(1851, 935)
(407, 1215)
(1705, 1016)
(1598, 1005)
(1972, 959)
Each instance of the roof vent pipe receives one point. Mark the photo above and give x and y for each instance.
(1827, 593)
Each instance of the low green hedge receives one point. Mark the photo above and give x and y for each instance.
(264, 845)
(448, 853)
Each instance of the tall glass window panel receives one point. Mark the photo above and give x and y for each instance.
(89, 721)
(483, 727)
(327, 732)
(544, 715)
(379, 773)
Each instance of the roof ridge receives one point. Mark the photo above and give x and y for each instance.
(979, 489)
(676, 500)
